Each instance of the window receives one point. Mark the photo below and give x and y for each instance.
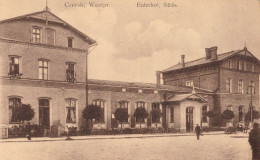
(70, 72)
(189, 83)
(140, 91)
(245, 67)
(240, 113)
(15, 67)
(251, 90)
(155, 91)
(101, 104)
(70, 110)
(154, 118)
(172, 114)
(253, 68)
(230, 107)
(44, 113)
(50, 36)
(125, 105)
(70, 42)
(229, 85)
(43, 69)
(240, 65)
(230, 64)
(14, 102)
(240, 86)
(36, 35)
(140, 104)
(204, 114)
(123, 89)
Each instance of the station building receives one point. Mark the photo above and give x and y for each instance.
(44, 63)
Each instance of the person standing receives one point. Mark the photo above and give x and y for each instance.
(198, 131)
(254, 141)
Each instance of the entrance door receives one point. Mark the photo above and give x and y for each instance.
(189, 119)
(44, 113)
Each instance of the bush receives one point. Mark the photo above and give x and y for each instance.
(227, 115)
(25, 112)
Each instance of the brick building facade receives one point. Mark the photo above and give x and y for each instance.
(227, 75)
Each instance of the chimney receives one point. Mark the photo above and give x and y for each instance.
(208, 54)
(158, 78)
(214, 53)
(211, 53)
(182, 60)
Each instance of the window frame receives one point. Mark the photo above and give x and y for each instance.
(204, 111)
(101, 101)
(46, 36)
(34, 35)
(12, 63)
(42, 69)
(70, 72)
(13, 108)
(156, 105)
(68, 108)
(228, 85)
(143, 105)
(121, 104)
(70, 42)
(241, 86)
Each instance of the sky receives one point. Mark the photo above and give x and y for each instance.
(135, 42)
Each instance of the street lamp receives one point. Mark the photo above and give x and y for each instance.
(252, 91)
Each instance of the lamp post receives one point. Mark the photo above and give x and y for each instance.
(252, 91)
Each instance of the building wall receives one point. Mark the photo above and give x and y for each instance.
(30, 55)
(31, 95)
(112, 98)
(204, 77)
(21, 30)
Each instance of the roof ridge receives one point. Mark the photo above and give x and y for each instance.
(188, 62)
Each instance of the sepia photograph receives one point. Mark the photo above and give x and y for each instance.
(129, 79)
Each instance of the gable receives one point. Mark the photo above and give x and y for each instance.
(46, 16)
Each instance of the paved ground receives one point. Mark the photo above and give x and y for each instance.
(209, 147)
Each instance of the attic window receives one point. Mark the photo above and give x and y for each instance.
(36, 35)
(70, 42)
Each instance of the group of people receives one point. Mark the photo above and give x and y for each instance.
(254, 140)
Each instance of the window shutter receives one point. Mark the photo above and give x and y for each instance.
(20, 66)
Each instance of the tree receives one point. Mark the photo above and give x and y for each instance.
(121, 114)
(255, 114)
(92, 112)
(210, 114)
(156, 115)
(25, 113)
(227, 115)
(140, 114)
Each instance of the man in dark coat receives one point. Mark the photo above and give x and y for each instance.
(254, 140)
(197, 130)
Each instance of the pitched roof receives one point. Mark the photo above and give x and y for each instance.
(180, 89)
(203, 60)
(47, 16)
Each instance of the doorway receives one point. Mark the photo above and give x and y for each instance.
(44, 113)
(189, 119)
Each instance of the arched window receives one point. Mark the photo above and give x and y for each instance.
(14, 103)
(101, 104)
(71, 110)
